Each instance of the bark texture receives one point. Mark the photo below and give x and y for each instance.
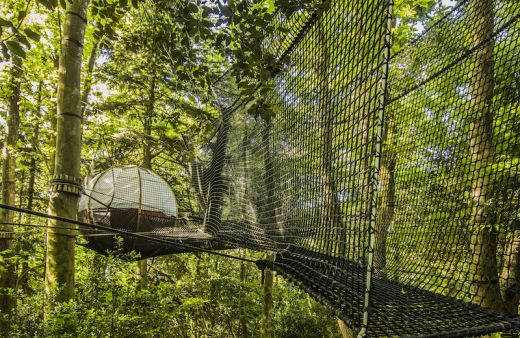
(346, 332)
(333, 227)
(267, 325)
(142, 265)
(273, 226)
(87, 86)
(483, 242)
(23, 279)
(7, 274)
(510, 275)
(59, 272)
(386, 202)
(242, 321)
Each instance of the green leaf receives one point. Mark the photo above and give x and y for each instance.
(15, 48)
(49, 4)
(5, 51)
(31, 34)
(135, 3)
(24, 40)
(21, 15)
(5, 23)
(193, 7)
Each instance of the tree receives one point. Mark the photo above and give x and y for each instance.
(66, 183)
(142, 265)
(485, 286)
(7, 274)
(267, 325)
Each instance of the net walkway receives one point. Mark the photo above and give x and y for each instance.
(385, 179)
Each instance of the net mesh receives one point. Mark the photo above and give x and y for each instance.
(386, 183)
(385, 180)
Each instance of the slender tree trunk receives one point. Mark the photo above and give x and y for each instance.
(386, 201)
(142, 265)
(267, 325)
(336, 237)
(66, 184)
(510, 275)
(26, 247)
(7, 274)
(34, 144)
(21, 193)
(346, 332)
(87, 85)
(242, 320)
(274, 227)
(335, 232)
(483, 244)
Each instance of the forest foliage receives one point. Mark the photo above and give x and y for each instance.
(153, 78)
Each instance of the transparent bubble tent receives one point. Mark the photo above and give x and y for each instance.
(135, 200)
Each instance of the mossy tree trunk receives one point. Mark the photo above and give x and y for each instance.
(483, 243)
(33, 169)
(270, 218)
(142, 265)
(510, 275)
(242, 320)
(87, 84)
(333, 227)
(59, 272)
(267, 320)
(34, 149)
(346, 332)
(7, 273)
(386, 200)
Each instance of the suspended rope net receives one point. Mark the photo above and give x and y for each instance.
(386, 183)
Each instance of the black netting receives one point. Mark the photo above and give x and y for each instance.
(386, 180)
(386, 184)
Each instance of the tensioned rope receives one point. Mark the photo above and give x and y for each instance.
(118, 232)
(403, 224)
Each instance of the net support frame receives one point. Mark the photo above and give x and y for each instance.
(377, 152)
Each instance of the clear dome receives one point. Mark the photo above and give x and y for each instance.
(129, 187)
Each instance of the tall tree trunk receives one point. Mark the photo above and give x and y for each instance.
(66, 183)
(142, 265)
(7, 274)
(333, 228)
(270, 220)
(54, 128)
(242, 320)
(267, 325)
(483, 245)
(336, 236)
(87, 84)
(25, 245)
(346, 332)
(510, 275)
(386, 201)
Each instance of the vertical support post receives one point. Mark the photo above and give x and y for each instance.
(376, 157)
